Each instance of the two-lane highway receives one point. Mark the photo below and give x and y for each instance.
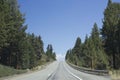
(59, 71)
(65, 72)
(62, 74)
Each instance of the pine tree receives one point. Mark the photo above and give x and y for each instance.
(77, 51)
(54, 56)
(77, 47)
(69, 56)
(109, 2)
(3, 15)
(17, 48)
(109, 29)
(50, 54)
(99, 59)
(89, 54)
(3, 33)
(25, 49)
(11, 32)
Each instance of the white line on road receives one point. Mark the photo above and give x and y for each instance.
(49, 75)
(72, 74)
(52, 74)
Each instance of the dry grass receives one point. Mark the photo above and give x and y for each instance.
(7, 71)
(115, 74)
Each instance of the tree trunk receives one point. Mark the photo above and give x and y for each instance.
(114, 63)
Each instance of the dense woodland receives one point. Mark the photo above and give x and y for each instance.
(19, 49)
(100, 50)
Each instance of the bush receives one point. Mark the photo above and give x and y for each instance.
(7, 71)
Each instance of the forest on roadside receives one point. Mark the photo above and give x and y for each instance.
(19, 49)
(100, 50)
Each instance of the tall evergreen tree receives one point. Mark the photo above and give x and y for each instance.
(12, 26)
(89, 54)
(17, 48)
(77, 47)
(50, 54)
(98, 55)
(4, 9)
(25, 49)
(77, 51)
(109, 29)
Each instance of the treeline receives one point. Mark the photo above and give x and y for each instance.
(89, 54)
(100, 50)
(50, 54)
(19, 49)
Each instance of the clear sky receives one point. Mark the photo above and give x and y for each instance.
(60, 22)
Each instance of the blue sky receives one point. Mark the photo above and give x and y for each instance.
(60, 22)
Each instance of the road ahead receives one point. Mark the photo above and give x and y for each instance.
(58, 71)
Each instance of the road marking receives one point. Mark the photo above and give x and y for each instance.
(53, 73)
(49, 75)
(72, 74)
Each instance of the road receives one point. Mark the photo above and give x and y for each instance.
(58, 71)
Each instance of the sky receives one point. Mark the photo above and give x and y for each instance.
(60, 22)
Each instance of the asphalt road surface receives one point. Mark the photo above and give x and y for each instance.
(58, 71)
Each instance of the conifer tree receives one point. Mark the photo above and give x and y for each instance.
(109, 29)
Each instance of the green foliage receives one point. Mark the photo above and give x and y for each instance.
(50, 54)
(24, 49)
(89, 54)
(12, 32)
(17, 48)
(97, 52)
(109, 33)
(75, 55)
(7, 71)
(98, 56)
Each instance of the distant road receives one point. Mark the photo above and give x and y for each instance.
(58, 71)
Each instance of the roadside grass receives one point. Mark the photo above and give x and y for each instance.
(7, 71)
(115, 74)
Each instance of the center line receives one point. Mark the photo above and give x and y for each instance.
(72, 74)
